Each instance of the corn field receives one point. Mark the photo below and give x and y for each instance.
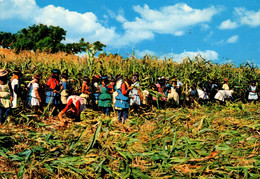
(214, 141)
(150, 68)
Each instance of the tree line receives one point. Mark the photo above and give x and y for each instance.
(45, 38)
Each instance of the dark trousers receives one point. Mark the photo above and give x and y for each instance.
(4, 113)
(122, 113)
(105, 110)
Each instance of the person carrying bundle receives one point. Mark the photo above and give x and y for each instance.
(225, 86)
(225, 93)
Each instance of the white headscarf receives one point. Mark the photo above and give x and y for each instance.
(119, 83)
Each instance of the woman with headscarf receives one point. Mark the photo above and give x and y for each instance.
(105, 99)
(160, 98)
(252, 92)
(15, 84)
(86, 90)
(95, 91)
(6, 96)
(64, 88)
(173, 93)
(34, 99)
(134, 94)
(122, 99)
(225, 86)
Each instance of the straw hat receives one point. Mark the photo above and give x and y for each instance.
(3, 72)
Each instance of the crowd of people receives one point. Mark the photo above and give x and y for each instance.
(104, 94)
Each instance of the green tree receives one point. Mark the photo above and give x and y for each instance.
(46, 38)
(6, 39)
(83, 46)
(76, 47)
(95, 47)
(39, 37)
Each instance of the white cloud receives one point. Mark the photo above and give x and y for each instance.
(243, 17)
(232, 39)
(228, 24)
(76, 24)
(169, 19)
(208, 36)
(248, 17)
(178, 33)
(204, 27)
(21, 9)
(173, 20)
(132, 37)
(119, 17)
(220, 42)
(141, 54)
(207, 54)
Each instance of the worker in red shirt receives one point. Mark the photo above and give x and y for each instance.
(75, 105)
(52, 91)
(122, 87)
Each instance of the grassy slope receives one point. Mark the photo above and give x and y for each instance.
(219, 141)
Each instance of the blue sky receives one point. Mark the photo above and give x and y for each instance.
(219, 30)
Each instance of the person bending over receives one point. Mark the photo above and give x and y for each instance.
(75, 105)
